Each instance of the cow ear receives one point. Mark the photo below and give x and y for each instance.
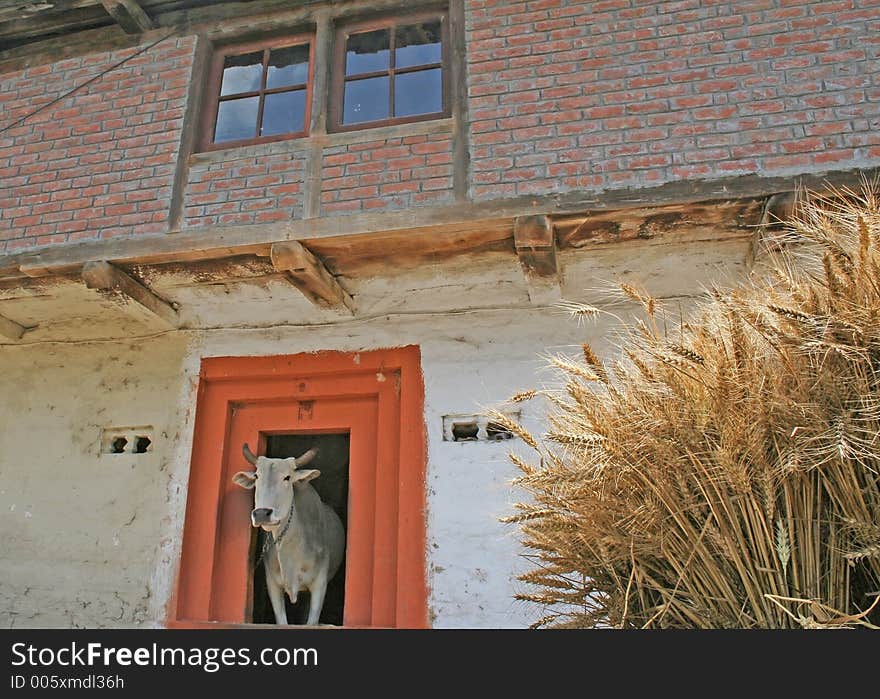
(246, 479)
(305, 476)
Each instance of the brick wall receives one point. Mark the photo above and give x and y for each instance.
(563, 95)
(587, 95)
(100, 162)
(232, 187)
(387, 175)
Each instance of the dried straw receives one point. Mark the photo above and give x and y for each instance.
(728, 475)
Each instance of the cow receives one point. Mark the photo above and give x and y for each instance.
(305, 539)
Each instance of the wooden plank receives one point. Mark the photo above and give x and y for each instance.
(461, 151)
(49, 23)
(535, 244)
(108, 38)
(780, 208)
(47, 263)
(212, 242)
(216, 20)
(310, 276)
(24, 9)
(354, 255)
(189, 133)
(105, 277)
(322, 56)
(129, 15)
(10, 329)
(646, 222)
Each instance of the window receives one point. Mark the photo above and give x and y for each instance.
(258, 93)
(391, 71)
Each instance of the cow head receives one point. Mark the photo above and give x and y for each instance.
(273, 482)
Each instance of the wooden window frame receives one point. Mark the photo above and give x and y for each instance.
(386, 572)
(339, 79)
(212, 99)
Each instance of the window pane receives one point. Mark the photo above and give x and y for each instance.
(242, 73)
(417, 44)
(366, 100)
(237, 119)
(420, 92)
(284, 112)
(288, 66)
(367, 52)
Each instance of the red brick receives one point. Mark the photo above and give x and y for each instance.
(562, 95)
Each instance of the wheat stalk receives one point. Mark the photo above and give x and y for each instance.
(729, 476)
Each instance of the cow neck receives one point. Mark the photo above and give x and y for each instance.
(276, 539)
(284, 529)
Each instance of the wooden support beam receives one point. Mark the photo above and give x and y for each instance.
(129, 15)
(779, 208)
(105, 277)
(475, 219)
(11, 329)
(33, 27)
(310, 276)
(24, 9)
(535, 244)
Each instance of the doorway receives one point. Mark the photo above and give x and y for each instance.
(279, 405)
(332, 485)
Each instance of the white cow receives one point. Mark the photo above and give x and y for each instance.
(305, 537)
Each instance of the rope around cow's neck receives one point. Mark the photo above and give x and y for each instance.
(286, 527)
(275, 539)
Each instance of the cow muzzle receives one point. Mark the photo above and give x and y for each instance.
(263, 516)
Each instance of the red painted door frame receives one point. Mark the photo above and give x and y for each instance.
(376, 396)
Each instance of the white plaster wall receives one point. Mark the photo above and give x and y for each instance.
(79, 529)
(94, 540)
(469, 361)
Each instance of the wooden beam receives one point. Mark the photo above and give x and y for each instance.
(24, 9)
(105, 277)
(310, 276)
(214, 242)
(129, 15)
(535, 245)
(721, 218)
(108, 38)
(11, 329)
(779, 208)
(29, 28)
(247, 239)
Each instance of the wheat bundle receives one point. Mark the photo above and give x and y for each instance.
(724, 474)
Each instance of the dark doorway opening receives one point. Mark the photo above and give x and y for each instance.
(332, 485)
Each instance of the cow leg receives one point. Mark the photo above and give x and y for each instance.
(276, 592)
(316, 596)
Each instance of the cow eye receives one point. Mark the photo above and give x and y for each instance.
(287, 478)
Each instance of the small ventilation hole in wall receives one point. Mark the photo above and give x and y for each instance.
(496, 432)
(476, 427)
(465, 431)
(137, 439)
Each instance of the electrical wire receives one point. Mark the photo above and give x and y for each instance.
(94, 78)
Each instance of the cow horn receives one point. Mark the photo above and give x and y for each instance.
(249, 455)
(307, 457)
